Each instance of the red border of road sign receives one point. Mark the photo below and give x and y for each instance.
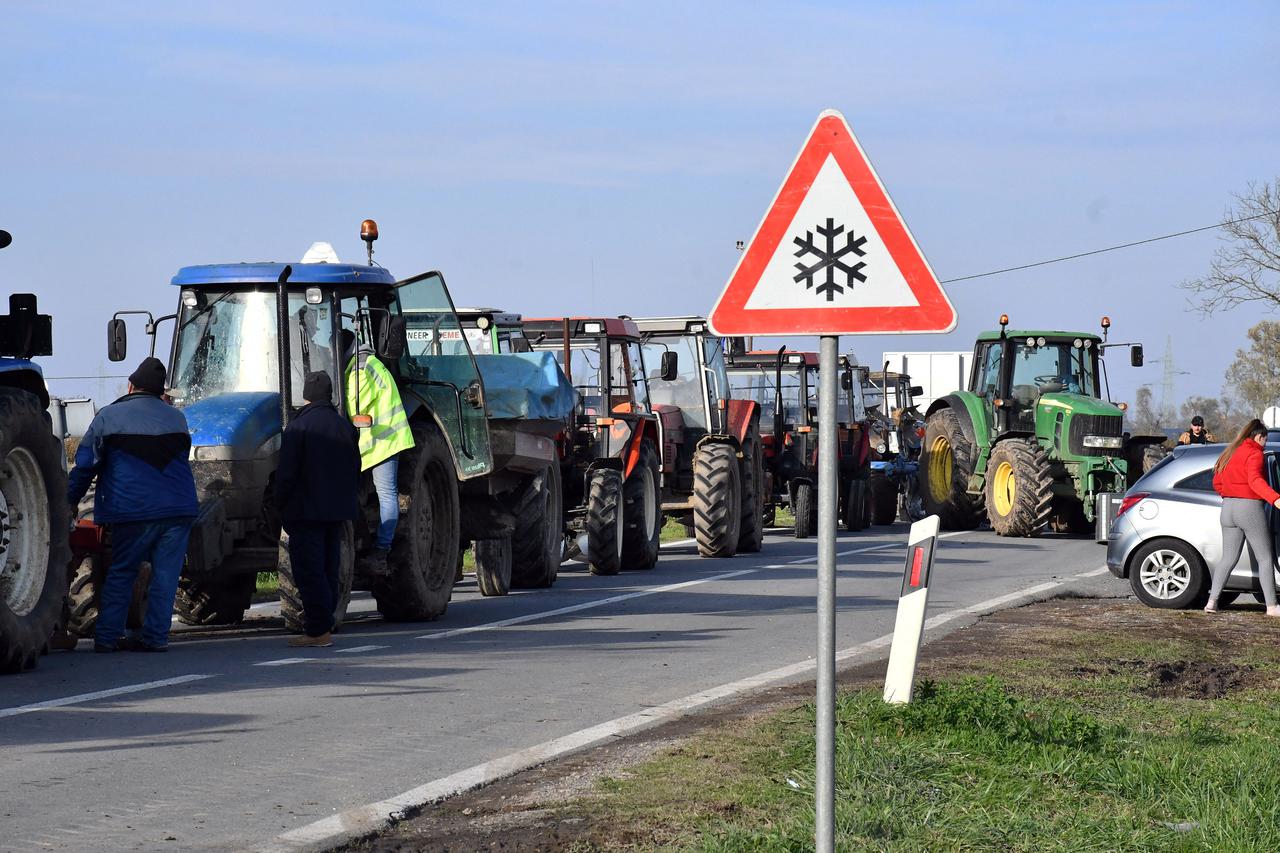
(831, 136)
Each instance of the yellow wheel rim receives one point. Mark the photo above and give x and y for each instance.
(940, 468)
(1005, 488)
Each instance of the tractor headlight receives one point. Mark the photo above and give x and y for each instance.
(882, 447)
(1110, 442)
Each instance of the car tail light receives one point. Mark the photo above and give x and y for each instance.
(1131, 501)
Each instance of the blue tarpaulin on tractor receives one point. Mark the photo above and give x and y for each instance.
(526, 385)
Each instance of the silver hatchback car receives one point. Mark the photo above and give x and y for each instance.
(1167, 536)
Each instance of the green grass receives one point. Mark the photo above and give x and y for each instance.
(1059, 753)
(268, 583)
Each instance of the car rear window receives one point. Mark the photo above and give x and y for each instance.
(1201, 481)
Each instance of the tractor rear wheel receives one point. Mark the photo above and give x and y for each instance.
(34, 554)
(717, 501)
(291, 601)
(1019, 488)
(537, 544)
(885, 500)
(853, 506)
(804, 507)
(947, 460)
(424, 554)
(751, 474)
(604, 522)
(86, 586)
(493, 565)
(642, 511)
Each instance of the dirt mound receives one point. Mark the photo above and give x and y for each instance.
(1194, 679)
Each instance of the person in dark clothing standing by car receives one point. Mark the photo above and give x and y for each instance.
(315, 487)
(137, 448)
(1197, 434)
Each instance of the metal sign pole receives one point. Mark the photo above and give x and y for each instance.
(828, 491)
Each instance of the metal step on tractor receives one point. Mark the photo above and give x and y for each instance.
(897, 428)
(785, 384)
(1035, 441)
(707, 432)
(33, 487)
(245, 336)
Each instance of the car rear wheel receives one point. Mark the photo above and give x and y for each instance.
(1169, 574)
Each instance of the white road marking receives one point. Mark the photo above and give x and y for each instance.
(356, 649)
(868, 549)
(586, 605)
(283, 661)
(361, 821)
(100, 694)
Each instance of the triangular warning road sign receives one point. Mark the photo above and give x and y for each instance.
(832, 256)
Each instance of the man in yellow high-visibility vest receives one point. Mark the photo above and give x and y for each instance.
(371, 390)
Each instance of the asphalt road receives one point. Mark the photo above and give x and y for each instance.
(232, 738)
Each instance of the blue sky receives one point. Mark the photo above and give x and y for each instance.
(604, 157)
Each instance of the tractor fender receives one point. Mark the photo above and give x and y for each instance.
(24, 375)
(650, 428)
(415, 409)
(974, 413)
(739, 415)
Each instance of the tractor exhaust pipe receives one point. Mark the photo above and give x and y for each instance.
(282, 336)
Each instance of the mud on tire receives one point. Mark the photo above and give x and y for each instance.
(604, 521)
(424, 554)
(717, 502)
(1019, 488)
(947, 459)
(33, 564)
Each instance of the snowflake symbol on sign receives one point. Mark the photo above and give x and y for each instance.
(829, 259)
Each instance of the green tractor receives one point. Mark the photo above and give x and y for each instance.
(1034, 441)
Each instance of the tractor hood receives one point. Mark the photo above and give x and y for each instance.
(1078, 404)
(239, 421)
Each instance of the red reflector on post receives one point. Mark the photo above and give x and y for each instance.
(917, 561)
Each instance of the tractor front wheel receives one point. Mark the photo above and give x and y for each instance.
(717, 502)
(538, 542)
(804, 506)
(220, 602)
(493, 565)
(642, 511)
(291, 600)
(1019, 488)
(604, 522)
(947, 460)
(751, 474)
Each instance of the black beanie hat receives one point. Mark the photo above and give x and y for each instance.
(149, 376)
(1197, 421)
(318, 387)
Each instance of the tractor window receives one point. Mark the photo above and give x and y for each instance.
(584, 370)
(990, 367)
(757, 383)
(714, 348)
(685, 391)
(1056, 367)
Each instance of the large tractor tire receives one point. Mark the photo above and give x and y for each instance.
(853, 499)
(493, 566)
(884, 498)
(717, 501)
(642, 511)
(291, 600)
(34, 518)
(1019, 488)
(947, 460)
(424, 554)
(751, 474)
(604, 522)
(804, 506)
(537, 545)
(85, 588)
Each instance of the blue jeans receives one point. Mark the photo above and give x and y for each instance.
(163, 543)
(386, 483)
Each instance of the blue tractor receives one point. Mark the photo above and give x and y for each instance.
(245, 335)
(34, 518)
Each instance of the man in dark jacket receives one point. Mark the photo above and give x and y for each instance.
(137, 448)
(316, 485)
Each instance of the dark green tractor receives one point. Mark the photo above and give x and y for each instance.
(1034, 441)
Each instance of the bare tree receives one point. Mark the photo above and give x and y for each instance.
(1254, 377)
(1246, 268)
(1143, 418)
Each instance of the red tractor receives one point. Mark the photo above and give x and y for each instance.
(785, 384)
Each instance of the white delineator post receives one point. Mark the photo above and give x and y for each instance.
(908, 628)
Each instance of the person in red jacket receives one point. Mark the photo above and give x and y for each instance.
(1245, 493)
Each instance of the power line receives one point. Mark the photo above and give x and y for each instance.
(1112, 248)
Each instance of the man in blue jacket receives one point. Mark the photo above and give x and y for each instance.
(316, 484)
(137, 448)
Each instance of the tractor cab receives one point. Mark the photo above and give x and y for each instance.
(687, 372)
(1015, 371)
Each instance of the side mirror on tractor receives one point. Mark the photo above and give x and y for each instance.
(917, 390)
(1135, 355)
(393, 339)
(846, 380)
(670, 365)
(117, 340)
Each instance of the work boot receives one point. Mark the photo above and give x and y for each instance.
(61, 641)
(305, 642)
(134, 644)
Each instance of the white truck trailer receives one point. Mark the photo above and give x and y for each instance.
(938, 373)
